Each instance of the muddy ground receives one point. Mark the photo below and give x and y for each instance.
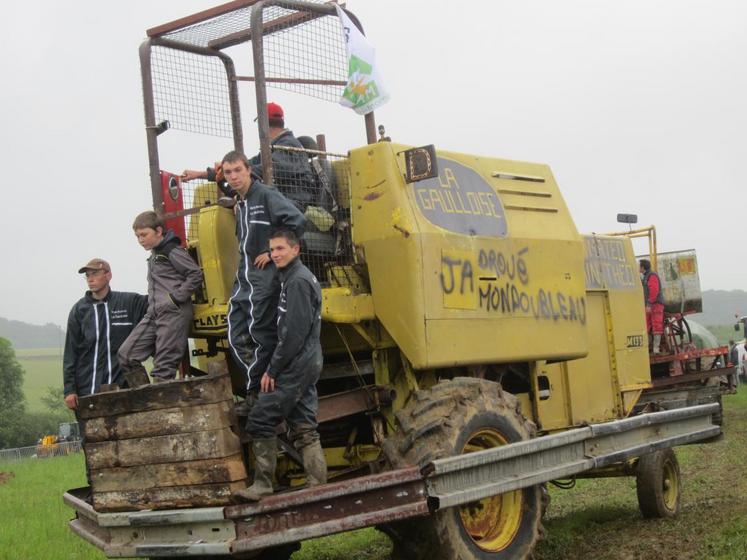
(600, 519)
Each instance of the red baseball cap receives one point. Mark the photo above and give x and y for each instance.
(274, 111)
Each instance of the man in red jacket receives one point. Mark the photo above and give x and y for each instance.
(654, 299)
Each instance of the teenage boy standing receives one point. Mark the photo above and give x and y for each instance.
(252, 332)
(173, 276)
(288, 386)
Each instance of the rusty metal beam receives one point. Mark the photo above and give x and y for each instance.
(293, 81)
(341, 405)
(689, 355)
(150, 125)
(329, 509)
(688, 377)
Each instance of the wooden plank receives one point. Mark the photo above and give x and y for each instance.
(203, 495)
(152, 423)
(170, 394)
(188, 473)
(174, 448)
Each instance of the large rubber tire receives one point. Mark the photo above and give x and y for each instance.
(455, 417)
(659, 484)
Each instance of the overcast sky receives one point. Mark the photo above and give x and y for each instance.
(637, 106)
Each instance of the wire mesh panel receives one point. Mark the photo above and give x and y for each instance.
(317, 184)
(310, 58)
(303, 52)
(190, 91)
(204, 33)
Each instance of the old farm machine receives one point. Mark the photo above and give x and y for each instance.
(476, 345)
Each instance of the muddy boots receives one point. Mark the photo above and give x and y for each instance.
(265, 459)
(136, 376)
(314, 464)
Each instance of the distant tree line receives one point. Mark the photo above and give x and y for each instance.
(18, 426)
(25, 335)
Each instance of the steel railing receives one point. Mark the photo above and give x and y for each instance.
(40, 451)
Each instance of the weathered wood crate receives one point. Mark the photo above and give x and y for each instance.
(161, 446)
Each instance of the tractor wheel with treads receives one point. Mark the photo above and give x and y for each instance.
(454, 417)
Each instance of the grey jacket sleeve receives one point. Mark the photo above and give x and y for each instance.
(187, 267)
(70, 358)
(299, 320)
(284, 213)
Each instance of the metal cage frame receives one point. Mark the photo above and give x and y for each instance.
(256, 33)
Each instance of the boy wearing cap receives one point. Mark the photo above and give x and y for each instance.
(173, 276)
(292, 171)
(97, 326)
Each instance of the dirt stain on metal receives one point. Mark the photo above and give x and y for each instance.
(402, 230)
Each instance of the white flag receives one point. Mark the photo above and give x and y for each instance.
(364, 91)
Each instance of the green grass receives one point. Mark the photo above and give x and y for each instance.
(34, 519)
(32, 515)
(43, 367)
(600, 520)
(366, 544)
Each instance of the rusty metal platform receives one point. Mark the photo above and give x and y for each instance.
(389, 496)
(332, 508)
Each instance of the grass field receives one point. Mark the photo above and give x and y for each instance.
(598, 520)
(32, 515)
(34, 519)
(43, 367)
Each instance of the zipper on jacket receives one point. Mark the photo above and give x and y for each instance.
(108, 342)
(96, 348)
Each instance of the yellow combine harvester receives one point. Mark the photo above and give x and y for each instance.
(476, 344)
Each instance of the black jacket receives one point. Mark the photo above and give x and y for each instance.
(263, 210)
(299, 323)
(292, 173)
(95, 331)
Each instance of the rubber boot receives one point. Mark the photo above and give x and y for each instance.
(265, 458)
(314, 464)
(136, 376)
(657, 344)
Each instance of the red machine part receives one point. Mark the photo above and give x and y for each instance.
(173, 201)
